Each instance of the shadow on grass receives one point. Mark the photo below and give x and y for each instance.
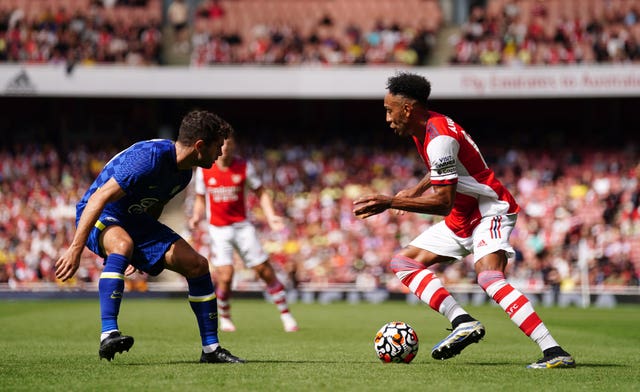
(321, 361)
(578, 365)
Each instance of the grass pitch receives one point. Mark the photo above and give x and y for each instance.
(52, 345)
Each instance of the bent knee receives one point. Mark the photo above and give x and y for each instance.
(200, 266)
(121, 246)
(194, 267)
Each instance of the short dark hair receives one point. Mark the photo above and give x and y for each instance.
(410, 85)
(200, 124)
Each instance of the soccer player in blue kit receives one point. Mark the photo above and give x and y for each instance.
(117, 219)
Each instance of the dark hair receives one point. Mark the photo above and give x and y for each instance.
(410, 86)
(200, 124)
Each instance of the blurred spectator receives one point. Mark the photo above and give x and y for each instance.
(526, 32)
(92, 33)
(178, 15)
(574, 203)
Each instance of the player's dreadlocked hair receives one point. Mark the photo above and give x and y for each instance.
(200, 124)
(411, 86)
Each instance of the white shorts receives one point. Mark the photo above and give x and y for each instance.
(241, 237)
(491, 235)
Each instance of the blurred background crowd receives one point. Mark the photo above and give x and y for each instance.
(580, 205)
(577, 204)
(320, 32)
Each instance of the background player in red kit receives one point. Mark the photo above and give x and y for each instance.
(220, 191)
(479, 212)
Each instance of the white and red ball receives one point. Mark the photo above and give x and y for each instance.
(396, 342)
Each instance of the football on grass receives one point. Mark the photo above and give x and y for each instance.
(396, 342)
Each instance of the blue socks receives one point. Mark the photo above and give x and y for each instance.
(110, 289)
(202, 299)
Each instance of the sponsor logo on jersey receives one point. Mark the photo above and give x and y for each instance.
(445, 165)
(142, 206)
(224, 194)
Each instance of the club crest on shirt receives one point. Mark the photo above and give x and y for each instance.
(236, 178)
(212, 181)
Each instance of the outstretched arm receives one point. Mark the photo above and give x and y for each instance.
(438, 202)
(68, 263)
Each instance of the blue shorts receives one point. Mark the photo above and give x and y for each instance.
(151, 240)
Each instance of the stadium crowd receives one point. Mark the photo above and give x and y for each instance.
(527, 32)
(576, 206)
(497, 32)
(91, 34)
(327, 43)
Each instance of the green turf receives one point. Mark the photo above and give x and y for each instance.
(52, 346)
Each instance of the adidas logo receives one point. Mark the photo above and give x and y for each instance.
(21, 84)
(481, 243)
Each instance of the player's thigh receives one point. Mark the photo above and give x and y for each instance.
(183, 259)
(248, 245)
(221, 245)
(115, 239)
(437, 244)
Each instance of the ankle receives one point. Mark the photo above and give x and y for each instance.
(463, 318)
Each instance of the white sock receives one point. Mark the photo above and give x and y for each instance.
(105, 335)
(210, 348)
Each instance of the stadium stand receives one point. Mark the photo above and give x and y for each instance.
(315, 32)
(579, 203)
(502, 32)
(577, 199)
(525, 32)
(86, 32)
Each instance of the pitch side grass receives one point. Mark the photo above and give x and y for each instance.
(52, 345)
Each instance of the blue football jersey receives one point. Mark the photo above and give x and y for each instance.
(147, 172)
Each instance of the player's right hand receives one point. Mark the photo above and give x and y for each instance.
(67, 265)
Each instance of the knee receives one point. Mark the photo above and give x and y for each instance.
(265, 271)
(400, 262)
(122, 246)
(487, 278)
(224, 274)
(198, 267)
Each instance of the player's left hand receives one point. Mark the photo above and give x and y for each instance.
(131, 270)
(370, 205)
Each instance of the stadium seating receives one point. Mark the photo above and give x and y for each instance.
(594, 203)
(523, 32)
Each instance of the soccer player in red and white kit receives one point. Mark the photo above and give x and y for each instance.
(479, 212)
(220, 191)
